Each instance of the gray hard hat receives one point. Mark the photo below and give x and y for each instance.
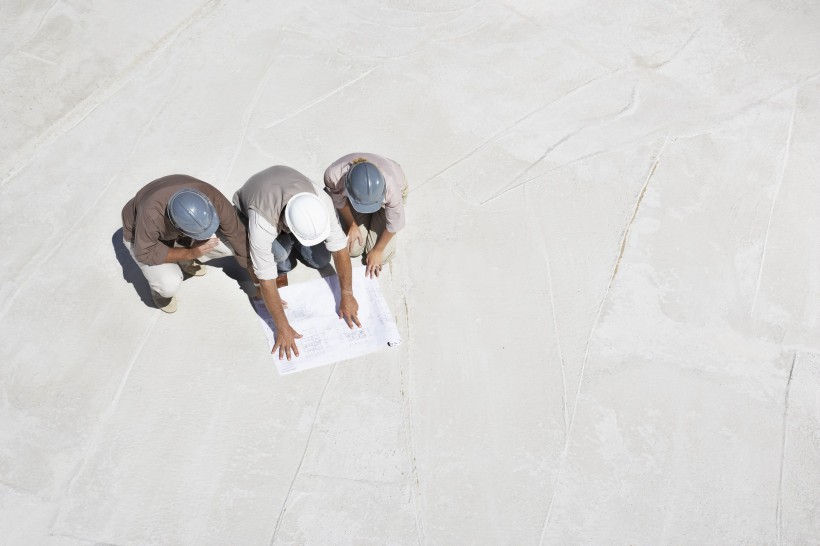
(365, 187)
(192, 213)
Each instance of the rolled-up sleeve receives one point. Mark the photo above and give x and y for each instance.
(232, 228)
(333, 181)
(261, 235)
(337, 240)
(395, 192)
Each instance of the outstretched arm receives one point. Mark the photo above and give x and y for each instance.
(348, 307)
(286, 336)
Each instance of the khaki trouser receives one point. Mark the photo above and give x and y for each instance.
(165, 279)
(371, 227)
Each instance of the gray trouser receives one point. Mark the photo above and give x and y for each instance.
(165, 279)
(371, 227)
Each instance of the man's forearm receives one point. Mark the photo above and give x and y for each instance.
(341, 261)
(384, 238)
(347, 215)
(270, 295)
(180, 255)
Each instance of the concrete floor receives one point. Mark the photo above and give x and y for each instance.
(609, 285)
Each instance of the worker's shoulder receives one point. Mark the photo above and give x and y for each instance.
(277, 174)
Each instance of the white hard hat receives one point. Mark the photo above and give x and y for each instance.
(307, 218)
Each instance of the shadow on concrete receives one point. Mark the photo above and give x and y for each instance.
(234, 271)
(130, 270)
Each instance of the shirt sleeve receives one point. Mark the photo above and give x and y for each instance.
(232, 228)
(333, 181)
(261, 235)
(337, 240)
(394, 197)
(148, 249)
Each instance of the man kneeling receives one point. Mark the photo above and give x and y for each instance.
(173, 225)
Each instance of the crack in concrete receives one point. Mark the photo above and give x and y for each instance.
(622, 248)
(91, 541)
(320, 99)
(257, 95)
(779, 509)
(346, 479)
(628, 109)
(36, 57)
(107, 89)
(302, 460)
(517, 122)
(678, 51)
(94, 442)
(780, 178)
(33, 34)
(545, 254)
(37, 261)
(408, 425)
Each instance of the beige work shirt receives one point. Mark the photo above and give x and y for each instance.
(395, 191)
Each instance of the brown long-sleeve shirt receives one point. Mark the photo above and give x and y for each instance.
(146, 224)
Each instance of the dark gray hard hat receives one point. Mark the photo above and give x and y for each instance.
(192, 213)
(365, 187)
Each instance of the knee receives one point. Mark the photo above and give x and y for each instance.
(280, 255)
(166, 286)
(357, 249)
(281, 250)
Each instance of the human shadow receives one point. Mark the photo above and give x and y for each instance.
(234, 271)
(130, 270)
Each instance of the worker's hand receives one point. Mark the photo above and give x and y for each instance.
(374, 263)
(286, 342)
(353, 236)
(349, 309)
(200, 248)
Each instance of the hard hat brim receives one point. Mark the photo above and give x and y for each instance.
(362, 207)
(315, 240)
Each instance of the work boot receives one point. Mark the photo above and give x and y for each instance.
(192, 268)
(167, 305)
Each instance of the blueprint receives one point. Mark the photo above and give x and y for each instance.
(325, 337)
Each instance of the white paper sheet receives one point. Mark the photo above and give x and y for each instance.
(326, 338)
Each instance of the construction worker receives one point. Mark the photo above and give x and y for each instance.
(286, 215)
(369, 191)
(172, 226)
